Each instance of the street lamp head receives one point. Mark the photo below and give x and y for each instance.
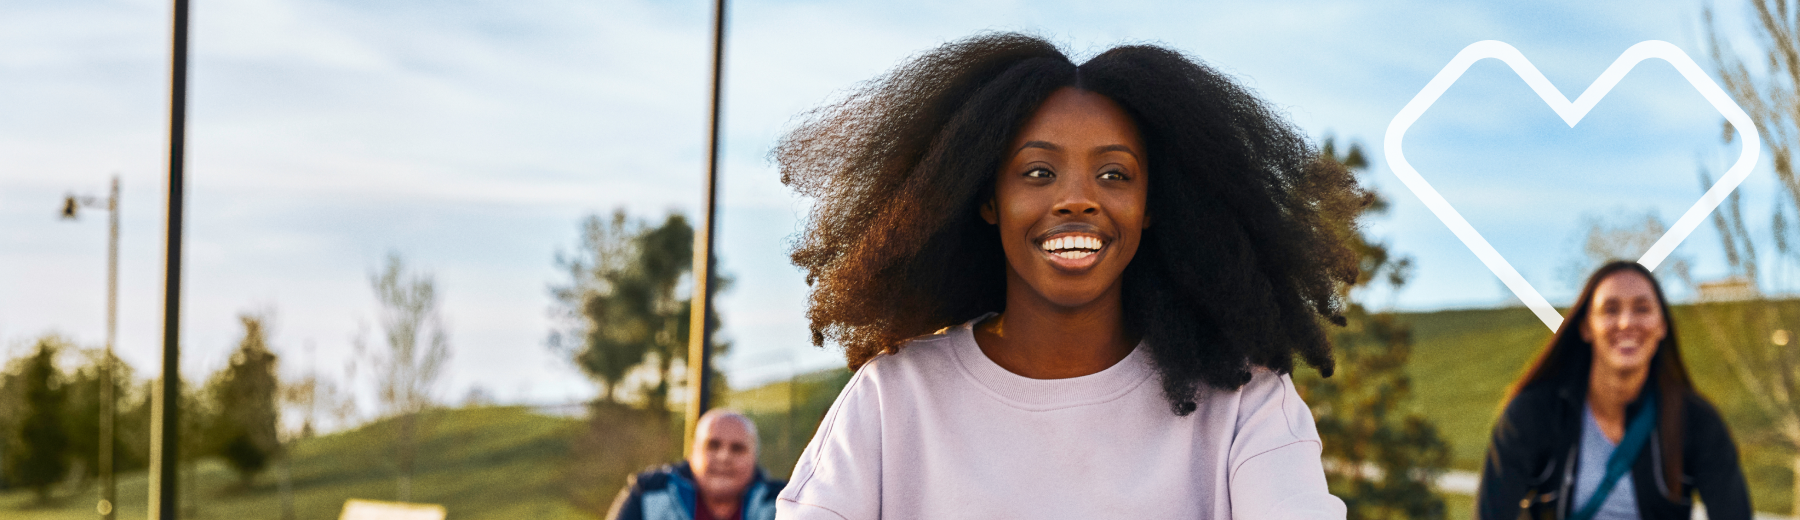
(69, 207)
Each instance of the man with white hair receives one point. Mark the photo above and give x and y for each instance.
(718, 481)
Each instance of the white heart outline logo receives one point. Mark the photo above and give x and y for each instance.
(1571, 113)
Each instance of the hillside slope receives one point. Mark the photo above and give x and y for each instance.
(1462, 363)
(480, 463)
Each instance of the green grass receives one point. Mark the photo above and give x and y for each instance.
(1462, 363)
(1459, 506)
(786, 414)
(505, 462)
(479, 463)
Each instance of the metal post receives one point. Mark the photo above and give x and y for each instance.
(787, 430)
(71, 207)
(108, 490)
(166, 408)
(699, 337)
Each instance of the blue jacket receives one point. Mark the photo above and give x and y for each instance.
(668, 493)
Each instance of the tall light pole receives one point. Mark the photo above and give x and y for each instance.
(699, 356)
(165, 404)
(71, 206)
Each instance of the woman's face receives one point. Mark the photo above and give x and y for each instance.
(1069, 200)
(1625, 323)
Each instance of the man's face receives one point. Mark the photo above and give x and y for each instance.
(724, 456)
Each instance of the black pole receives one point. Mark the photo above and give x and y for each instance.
(699, 336)
(166, 460)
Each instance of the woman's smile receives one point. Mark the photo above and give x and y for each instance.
(1073, 251)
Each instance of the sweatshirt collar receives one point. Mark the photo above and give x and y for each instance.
(1047, 394)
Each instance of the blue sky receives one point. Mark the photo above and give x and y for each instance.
(472, 137)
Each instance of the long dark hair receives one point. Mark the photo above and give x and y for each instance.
(1237, 272)
(1567, 357)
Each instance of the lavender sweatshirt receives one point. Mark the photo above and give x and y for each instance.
(938, 430)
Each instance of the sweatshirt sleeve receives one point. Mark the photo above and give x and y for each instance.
(1516, 453)
(1714, 460)
(1276, 472)
(838, 476)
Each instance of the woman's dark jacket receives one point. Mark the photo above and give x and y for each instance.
(1534, 454)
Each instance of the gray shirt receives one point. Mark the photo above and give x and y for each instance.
(1621, 503)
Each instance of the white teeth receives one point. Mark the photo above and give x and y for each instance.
(1090, 244)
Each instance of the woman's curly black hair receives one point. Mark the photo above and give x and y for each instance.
(1237, 270)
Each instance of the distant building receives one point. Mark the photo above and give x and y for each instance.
(1729, 289)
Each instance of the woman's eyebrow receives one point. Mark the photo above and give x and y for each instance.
(1038, 144)
(1117, 148)
(1046, 145)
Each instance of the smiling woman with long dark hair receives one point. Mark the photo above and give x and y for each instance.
(1606, 422)
(1069, 291)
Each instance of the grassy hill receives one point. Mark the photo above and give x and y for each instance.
(787, 412)
(1462, 363)
(500, 463)
(508, 462)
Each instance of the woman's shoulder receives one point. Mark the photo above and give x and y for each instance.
(1703, 417)
(1265, 388)
(1269, 398)
(926, 357)
(1534, 399)
(916, 353)
(1700, 408)
(1536, 417)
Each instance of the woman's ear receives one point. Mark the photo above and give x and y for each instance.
(1587, 333)
(989, 212)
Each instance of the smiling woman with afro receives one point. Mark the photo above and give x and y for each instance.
(1068, 291)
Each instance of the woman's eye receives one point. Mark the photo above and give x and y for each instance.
(1114, 175)
(1040, 173)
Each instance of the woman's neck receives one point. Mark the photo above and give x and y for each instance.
(1036, 339)
(1609, 390)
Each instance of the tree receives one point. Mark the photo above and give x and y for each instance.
(603, 334)
(306, 397)
(37, 454)
(1622, 236)
(1381, 457)
(1751, 334)
(1771, 96)
(314, 398)
(82, 414)
(620, 307)
(244, 393)
(406, 373)
(198, 414)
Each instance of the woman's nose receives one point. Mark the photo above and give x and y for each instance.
(1077, 198)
